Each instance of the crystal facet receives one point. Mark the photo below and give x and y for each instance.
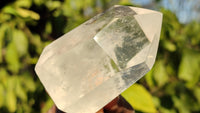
(88, 67)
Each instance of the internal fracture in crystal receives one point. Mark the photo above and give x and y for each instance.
(88, 67)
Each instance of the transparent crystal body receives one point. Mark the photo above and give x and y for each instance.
(88, 67)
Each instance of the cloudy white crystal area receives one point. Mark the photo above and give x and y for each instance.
(88, 67)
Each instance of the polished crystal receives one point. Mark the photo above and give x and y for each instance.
(88, 67)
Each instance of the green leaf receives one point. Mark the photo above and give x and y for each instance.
(23, 3)
(25, 13)
(48, 104)
(20, 41)
(189, 67)
(3, 76)
(171, 88)
(9, 10)
(125, 2)
(36, 41)
(12, 58)
(185, 103)
(28, 82)
(67, 10)
(165, 110)
(139, 98)
(4, 17)
(2, 34)
(2, 91)
(11, 83)
(156, 101)
(160, 73)
(11, 101)
(39, 2)
(52, 5)
(48, 28)
(149, 78)
(77, 4)
(197, 93)
(179, 105)
(20, 92)
(169, 46)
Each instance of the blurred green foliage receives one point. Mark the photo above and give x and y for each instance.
(27, 26)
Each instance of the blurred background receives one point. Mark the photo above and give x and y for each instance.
(27, 26)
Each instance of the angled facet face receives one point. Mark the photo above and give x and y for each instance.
(88, 67)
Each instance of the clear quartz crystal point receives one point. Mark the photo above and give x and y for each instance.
(88, 67)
